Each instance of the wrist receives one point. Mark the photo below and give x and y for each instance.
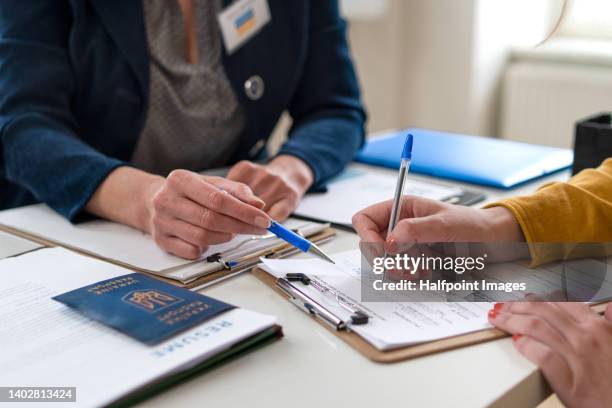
(503, 225)
(144, 208)
(125, 196)
(294, 170)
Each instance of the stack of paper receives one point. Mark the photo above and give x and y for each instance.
(129, 247)
(45, 343)
(355, 190)
(397, 324)
(392, 324)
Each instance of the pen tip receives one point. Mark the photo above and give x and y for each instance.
(318, 252)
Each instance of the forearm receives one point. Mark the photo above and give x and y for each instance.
(326, 144)
(578, 211)
(123, 196)
(328, 115)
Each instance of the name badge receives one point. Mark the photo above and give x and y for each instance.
(241, 21)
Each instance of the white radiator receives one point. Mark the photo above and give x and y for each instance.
(542, 100)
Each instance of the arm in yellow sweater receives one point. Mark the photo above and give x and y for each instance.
(578, 211)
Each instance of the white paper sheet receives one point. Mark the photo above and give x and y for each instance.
(391, 324)
(11, 245)
(45, 343)
(121, 243)
(357, 189)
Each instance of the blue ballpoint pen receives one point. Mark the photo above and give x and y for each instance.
(297, 240)
(401, 181)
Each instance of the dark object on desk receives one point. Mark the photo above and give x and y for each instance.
(592, 142)
(466, 198)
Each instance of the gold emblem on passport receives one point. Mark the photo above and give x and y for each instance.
(150, 300)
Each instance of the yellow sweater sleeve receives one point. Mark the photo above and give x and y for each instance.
(579, 210)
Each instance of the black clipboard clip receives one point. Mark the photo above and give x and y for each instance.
(311, 306)
(230, 260)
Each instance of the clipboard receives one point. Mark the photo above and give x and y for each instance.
(281, 250)
(404, 353)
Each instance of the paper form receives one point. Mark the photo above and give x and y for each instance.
(357, 189)
(392, 324)
(584, 279)
(124, 244)
(45, 343)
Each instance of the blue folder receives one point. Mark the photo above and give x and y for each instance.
(473, 159)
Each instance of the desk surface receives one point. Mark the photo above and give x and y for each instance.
(311, 367)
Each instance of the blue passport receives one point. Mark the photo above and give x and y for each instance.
(142, 307)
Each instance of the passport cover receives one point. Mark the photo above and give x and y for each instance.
(142, 307)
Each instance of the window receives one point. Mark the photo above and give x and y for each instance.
(588, 19)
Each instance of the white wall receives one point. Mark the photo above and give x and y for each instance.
(437, 49)
(377, 47)
(437, 63)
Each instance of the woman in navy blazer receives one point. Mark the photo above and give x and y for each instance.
(74, 92)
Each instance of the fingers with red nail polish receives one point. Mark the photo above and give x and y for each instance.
(391, 246)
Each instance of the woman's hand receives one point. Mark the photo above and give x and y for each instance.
(571, 344)
(184, 212)
(280, 184)
(428, 221)
(187, 212)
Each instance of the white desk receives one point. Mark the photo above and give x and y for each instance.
(312, 368)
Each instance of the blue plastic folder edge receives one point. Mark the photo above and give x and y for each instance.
(474, 159)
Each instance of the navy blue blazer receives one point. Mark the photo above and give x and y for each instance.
(74, 93)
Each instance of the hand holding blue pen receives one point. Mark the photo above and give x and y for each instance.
(297, 240)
